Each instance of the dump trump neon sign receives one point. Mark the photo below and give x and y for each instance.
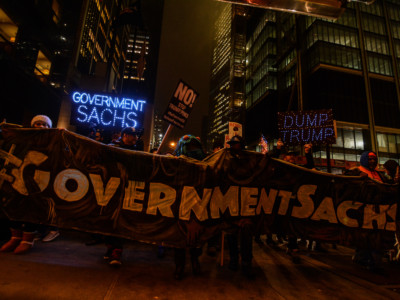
(303, 127)
(107, 110)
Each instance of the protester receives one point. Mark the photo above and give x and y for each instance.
(367, 168)
(98, 136)
(217, 145)
(189, 146)
(368, 163)
(275, 153)
(23, 234)
(392, 174)
(244, 229)
(292, 246)
(41, 121)
(129, 140)
(392, 171)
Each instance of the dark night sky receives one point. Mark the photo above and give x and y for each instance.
(185, 53)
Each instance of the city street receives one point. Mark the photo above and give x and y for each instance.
(67, 269)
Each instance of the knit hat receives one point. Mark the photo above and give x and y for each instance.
(364, 158)
(41, 118)
(237, 139)
(183, 147)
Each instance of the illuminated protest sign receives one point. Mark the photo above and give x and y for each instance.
(180, 105)
(303, 127)
(106, 110)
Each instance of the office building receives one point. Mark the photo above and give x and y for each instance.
(350, 65)
(227, 78)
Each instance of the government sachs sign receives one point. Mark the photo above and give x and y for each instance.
(106, 110)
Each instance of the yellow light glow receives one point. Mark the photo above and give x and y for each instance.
(172, 144)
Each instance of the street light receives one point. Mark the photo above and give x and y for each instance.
(172, 144)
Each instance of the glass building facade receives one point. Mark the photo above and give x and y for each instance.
(98, 43)
(350, 65)
(227, 71)
(137, 53)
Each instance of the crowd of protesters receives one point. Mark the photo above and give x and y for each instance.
(242, 233)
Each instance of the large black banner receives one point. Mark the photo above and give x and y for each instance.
(56, 177)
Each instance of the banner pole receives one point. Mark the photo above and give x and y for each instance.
(164, 139)
(222, 248)
(328, 158)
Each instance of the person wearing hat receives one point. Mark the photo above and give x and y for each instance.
(367, 168)
(237, 143)
(41, 121)
(368, 163)
(189, 146)
(23, 234)
(244, 229)
(130, 139)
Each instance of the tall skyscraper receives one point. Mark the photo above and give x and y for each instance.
(137, 55)
(104, 40)
(350, 65)
(227, 78)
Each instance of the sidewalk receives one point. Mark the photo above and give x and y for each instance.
(67, 269)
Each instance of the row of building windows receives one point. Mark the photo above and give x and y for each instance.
(374, 9)
(376, 44)
(269, 16)
(269, 82)
(268, 33)
(266, 54)
(395, 30)
(328, 32)
(325, 53)
(393, 9)
(289, 77)
(373, 24)
(222, 40)
(287, 60)
(379, 64)
(348, 18)
(265, 69)
(351, 143)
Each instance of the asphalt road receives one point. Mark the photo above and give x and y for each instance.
(67, 269)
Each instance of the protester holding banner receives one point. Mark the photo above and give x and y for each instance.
(292, 246)
(392, 172)
(369, 161)
(189, 146)
(23, 234)
(129, 140)
(244, 229)
(275, 153)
